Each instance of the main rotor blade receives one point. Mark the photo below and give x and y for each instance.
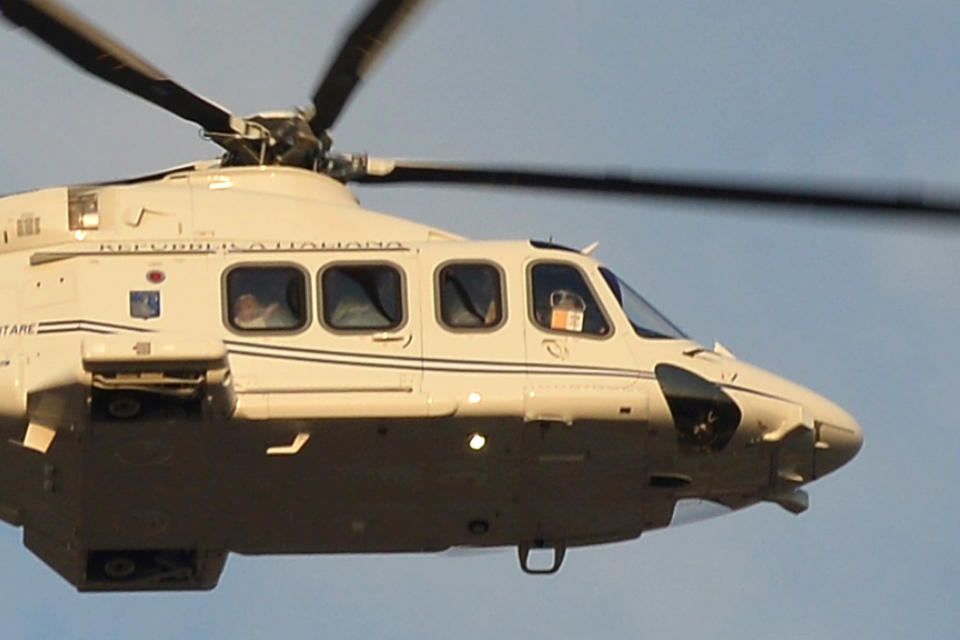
(357, 53)
(847, 198)
(96, 52)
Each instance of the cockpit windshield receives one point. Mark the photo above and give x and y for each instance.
(646, 321)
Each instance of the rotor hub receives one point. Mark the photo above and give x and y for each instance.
(274, 138)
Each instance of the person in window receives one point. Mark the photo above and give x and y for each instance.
(250, 313)
(356, 312)
(470, 296)
(362, 297)
(457, 314)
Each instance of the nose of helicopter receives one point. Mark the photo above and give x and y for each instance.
(839, 437)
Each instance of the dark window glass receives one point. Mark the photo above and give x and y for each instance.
(470, 296)
(362, 297)
(562, 301)
(266, 298)
(646, 320)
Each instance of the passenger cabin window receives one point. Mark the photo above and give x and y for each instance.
(470, 296)
(364, 297)
(266, 298)
(562, 300)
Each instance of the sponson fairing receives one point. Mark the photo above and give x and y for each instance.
(498, 395)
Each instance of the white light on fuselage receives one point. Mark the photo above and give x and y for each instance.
(477, 441)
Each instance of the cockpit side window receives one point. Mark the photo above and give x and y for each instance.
(646, 320)
(562, 300)
(266, 298)
(470, 296)
(362, 297)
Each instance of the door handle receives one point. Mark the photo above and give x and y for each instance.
(406, 339)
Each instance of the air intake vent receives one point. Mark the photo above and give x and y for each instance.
(704, 416)
(83, 210)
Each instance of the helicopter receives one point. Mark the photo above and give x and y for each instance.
(454, 393)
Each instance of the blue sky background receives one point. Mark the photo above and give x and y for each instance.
(866, 313)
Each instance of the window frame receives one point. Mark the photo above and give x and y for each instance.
(438, 292)
(226, 305)
(531, 302)
(404, 306)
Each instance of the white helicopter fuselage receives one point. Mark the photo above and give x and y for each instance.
(147, 429)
